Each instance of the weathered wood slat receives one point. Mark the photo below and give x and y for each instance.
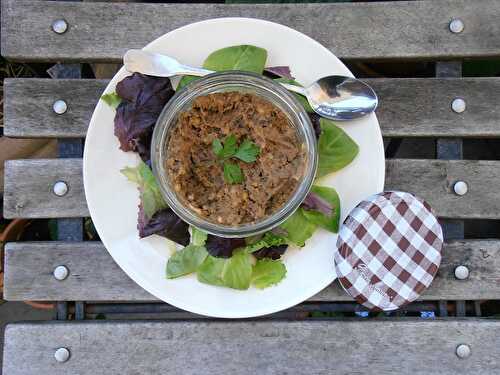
(94, 276)
(28, 108)
(272, 347)
(408, 107)
(385, 30)
(28, 187)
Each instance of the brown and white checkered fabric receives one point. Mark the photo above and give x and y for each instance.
(388, 250)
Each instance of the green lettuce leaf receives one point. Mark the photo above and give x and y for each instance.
(244, 57)
(210, 271)
(198, 237)
(328, 221)
(335, 148)
(299, 229)
(112, 99)
(237, 271)
(185, 261)
(151, 198)
(267, 272)
(269, 239)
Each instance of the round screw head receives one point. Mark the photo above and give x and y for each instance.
(463, 351)
(461, 272)
(59, 26)
(60, 273)
(60, 107)
(458, 105)
(61, 355)
(456, 26)
(460, 188)
(60, 188)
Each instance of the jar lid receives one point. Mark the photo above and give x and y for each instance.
(388, 250)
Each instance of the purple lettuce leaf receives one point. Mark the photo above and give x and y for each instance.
(223, 247)
(143, 99)
(314, 202)
(278, 72)
(316, 123)
(163, 223)
(273, 252)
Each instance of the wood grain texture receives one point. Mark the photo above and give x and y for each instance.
(28, 107)
(433, 181)
(94, 276)
(408, 107)
(274, 347)
(385, 30)
(28, 187)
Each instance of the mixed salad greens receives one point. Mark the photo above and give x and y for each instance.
(231, 262)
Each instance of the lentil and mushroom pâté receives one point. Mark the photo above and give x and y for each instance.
(197, 173)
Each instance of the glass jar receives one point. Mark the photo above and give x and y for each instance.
(246, 83)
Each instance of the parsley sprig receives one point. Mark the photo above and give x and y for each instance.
(247, 152)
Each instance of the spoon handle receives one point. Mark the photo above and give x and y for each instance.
(192, 71)
(298, 89)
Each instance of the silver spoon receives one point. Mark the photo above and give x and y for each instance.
(333, 97)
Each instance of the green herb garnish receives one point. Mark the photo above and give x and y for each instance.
(247, 151)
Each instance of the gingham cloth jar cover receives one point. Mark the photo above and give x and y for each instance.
(388, 250)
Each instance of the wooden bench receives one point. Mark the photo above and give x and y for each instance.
(410, 107)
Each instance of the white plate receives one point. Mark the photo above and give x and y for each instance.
(112, 200)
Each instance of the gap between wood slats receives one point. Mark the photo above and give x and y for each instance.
(28, 187)
(384, 30)
(94, 276)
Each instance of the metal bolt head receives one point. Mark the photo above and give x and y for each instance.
(461, 272)
(463, 351)
(61, 355)
(60, 107)
(460, 188)
(60, 188)
(59, 26)
(458, 105)
(60, 273)
(456, 26)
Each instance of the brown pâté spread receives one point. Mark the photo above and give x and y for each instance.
(197, 174)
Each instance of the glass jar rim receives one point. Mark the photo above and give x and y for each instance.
(216, 82)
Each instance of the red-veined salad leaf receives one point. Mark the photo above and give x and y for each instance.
(164, 223)
(272, 252)
(322, 207)
(278, 72)
(335, 148)
(143, 98)
(154, 216)
(221, 247)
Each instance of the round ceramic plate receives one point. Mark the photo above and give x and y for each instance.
(112, 200)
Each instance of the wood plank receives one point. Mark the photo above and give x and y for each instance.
(28, 187)
(94, 276)
(385, 30)
(412, 107)
(28, 107)
(271, 347)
